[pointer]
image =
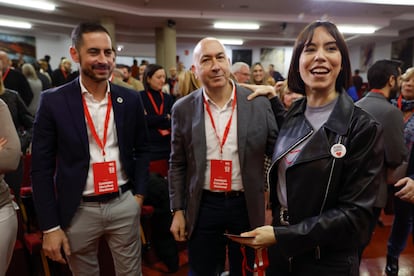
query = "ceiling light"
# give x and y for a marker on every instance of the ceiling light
(33, 4)
(15, 24)
(231, 41)
(356, 29)
(382, 2)
(236, 26)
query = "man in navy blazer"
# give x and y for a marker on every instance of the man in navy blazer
(90, 162)
(216, 176)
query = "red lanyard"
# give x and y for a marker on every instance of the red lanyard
(157, 111)
(377, 91)
(261, 261)
(399, 102)
(227, 130)
(5, 74)
(89, 120)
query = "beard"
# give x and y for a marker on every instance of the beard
(394, 92)
(90, 72)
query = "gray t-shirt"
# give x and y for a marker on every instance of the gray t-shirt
(316, 116)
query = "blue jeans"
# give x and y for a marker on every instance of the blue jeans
(401, 227)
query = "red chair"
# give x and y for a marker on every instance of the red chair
(33, 243)
(145, 226)
(27, 207)
(19, 264)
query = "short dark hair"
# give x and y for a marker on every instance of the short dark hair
(149, 72)
(121, 65)
(295, 81)
(380, 72)
(83, 28)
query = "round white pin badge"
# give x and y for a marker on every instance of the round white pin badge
(119, 100)
(338, 150)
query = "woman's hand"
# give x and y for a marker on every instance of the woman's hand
(261, 237)
(3, 142)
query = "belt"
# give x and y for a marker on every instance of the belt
(109, 196)
(229, 194)
(283, 216)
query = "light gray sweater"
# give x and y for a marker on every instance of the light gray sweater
(9, 153)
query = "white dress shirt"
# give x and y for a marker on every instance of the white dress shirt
(221, 117)
(98, 109)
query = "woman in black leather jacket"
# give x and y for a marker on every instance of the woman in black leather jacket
(326, 157)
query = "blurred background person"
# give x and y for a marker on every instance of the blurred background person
(118, 78)
(187, 83)
(158, 111)
(14, 79)
(357, 81)
(275, 74)
(172, 81)
(134, 69)
(286, 96)
(127, 77)
(43, 70)
(61, 75)
(259, 75)
(402, 225)
(23, 123)
(241, 72)
(157, 105)
(141, 71)
(35, 84)
(384, 82)
(9, 160)
(48, 68)
(42, 75)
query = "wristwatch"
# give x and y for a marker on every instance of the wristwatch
(175, 210)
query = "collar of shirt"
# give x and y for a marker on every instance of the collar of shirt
(84, 90)
(210, 101)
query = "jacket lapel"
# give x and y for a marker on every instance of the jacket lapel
(118, 103)
(73, 95)
(243, 121)
(198, 131)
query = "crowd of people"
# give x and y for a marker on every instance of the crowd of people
(101, 134)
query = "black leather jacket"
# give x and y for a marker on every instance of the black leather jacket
(329, 199)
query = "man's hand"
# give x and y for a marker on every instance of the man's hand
(53, 242)
(260, 90)
(178, 226)
(407, 189)
(140, 199)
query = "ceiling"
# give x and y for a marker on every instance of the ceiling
(280, 21)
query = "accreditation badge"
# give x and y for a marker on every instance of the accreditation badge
(104, 177)
(220, 175)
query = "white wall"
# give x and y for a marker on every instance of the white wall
(56, 47)
(381, 51)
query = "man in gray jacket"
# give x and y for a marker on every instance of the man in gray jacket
(383, 79)
(219, 140)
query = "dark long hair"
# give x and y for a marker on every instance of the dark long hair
(295, 81)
